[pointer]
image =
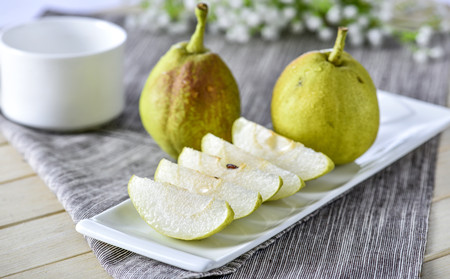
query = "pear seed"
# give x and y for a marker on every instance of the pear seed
(231, 166)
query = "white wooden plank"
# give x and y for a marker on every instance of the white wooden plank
(441, 188)
(68, 269)
(436, 269)
(12, 165)
(26, 199)
(439, 228)
(39, 242)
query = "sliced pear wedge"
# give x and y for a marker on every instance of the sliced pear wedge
(281, 151)
(265, 183)
(216, 146)
(176, 212)
(242, 201)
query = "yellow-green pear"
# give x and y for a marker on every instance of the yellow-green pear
(190, 92)
(327, 101)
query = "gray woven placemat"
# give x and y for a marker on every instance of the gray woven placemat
(377, 230)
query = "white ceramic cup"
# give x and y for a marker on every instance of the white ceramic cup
(62, 73)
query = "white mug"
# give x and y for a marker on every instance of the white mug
(62, 73)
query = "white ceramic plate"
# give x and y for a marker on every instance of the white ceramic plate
(405, 124)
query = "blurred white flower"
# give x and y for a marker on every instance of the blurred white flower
(375, 37)
(149, 14)
(354, 28)
(363, 21)
(386, 11)
(131, 21)
(220, 10)
(289, 13)
(355, 35)
(426, 30)
(178, 28)
(270, 33)
(445, 26)
(325, 34)
(424, 35)
(238, 33)
(239, 20)
(420, 56)
(334, 15)
(261, 8)
(272, 16)
(162, 20)
(147, 20)
(214, 28)
(313, 22)
(350, 11)
(250, 17)
(226, 20)
(235, 3)
(357, 40)
(190, 4)
(297, 27)
(436, 52)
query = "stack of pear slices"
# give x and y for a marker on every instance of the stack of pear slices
(208, 189)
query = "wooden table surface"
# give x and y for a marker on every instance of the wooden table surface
(38, 238)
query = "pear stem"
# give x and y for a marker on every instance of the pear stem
(195, 45)
(335, 55)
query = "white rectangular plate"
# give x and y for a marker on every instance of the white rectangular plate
(405, 124)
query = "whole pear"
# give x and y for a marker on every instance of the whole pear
(190, 92)
(327, 101)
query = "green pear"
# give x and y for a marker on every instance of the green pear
(190, 92)
(327, 101)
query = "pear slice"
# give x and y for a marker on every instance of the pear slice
(176, 212)
(265, 183)
(281, 151)
(242, 201)
(216, 146)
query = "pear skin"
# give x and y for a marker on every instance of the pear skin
(190, 92)
(327, 101)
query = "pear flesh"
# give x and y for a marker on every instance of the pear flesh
(176, 212)
(327, 101)
(216, 146)
(242, 201)
(265, 183)
(281, 151)
(189, 93)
